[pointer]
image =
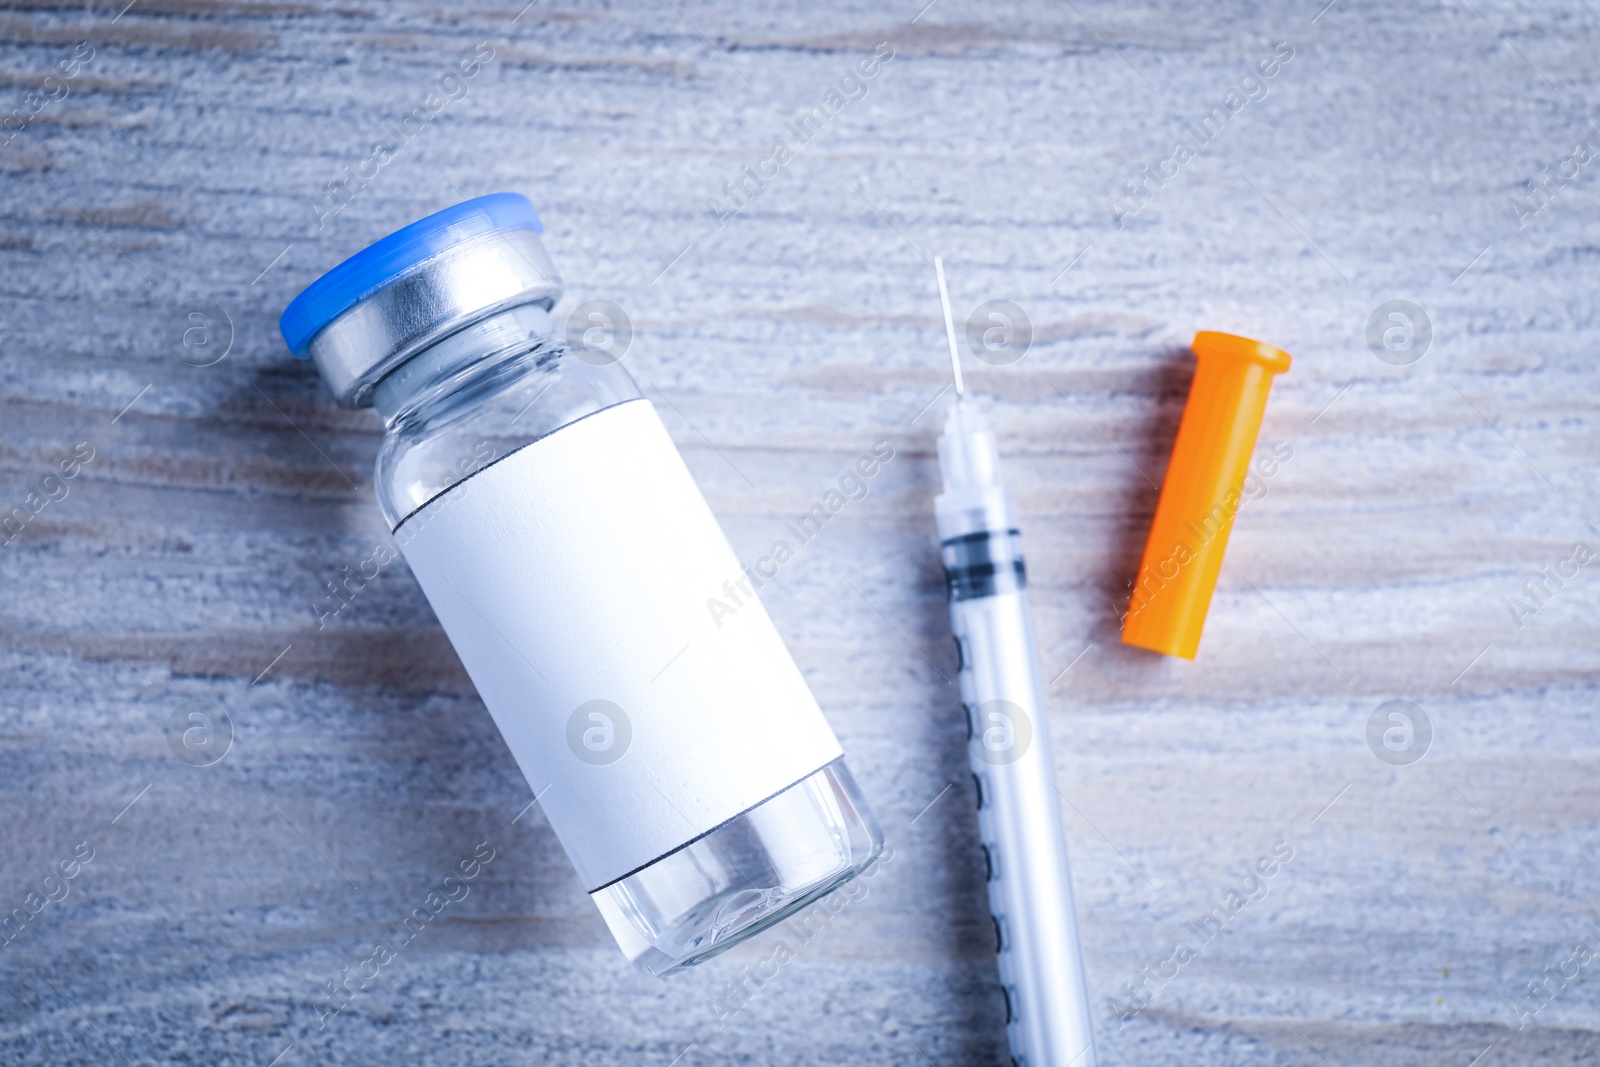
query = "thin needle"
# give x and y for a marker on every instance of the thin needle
(949, 327)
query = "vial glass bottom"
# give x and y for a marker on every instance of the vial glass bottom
(748, 874)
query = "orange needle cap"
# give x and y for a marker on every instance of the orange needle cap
(1201, 493)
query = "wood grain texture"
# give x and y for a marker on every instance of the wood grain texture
(184, 164)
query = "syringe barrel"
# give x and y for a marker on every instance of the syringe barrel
(1019, 817)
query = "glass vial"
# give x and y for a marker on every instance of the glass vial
(682, 761)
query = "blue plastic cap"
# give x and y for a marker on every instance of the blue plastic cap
(382, 262)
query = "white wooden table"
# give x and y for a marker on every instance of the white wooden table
(186, 160)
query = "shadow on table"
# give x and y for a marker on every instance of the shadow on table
(1151, 449)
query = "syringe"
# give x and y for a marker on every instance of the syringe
(1008, 744)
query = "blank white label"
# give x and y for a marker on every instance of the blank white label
(573, 578)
